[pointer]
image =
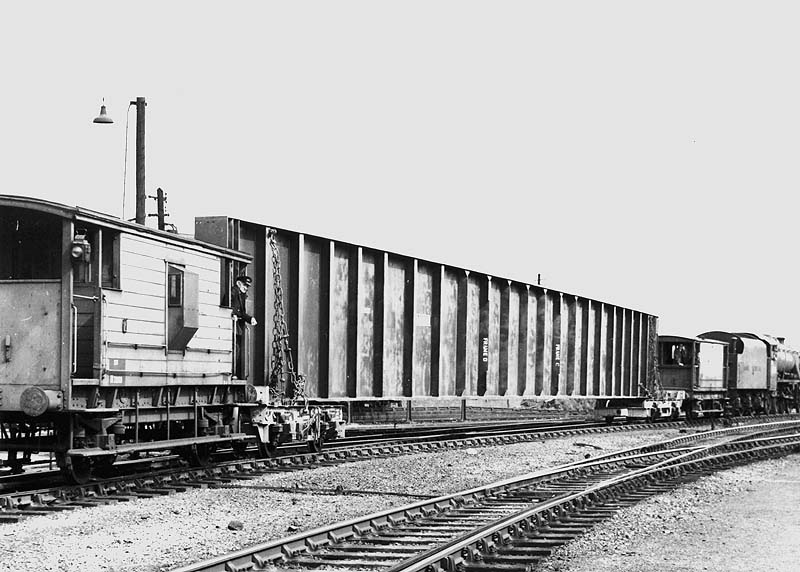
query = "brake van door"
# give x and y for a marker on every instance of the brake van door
(30, 337)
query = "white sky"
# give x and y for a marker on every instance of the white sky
(640, 153)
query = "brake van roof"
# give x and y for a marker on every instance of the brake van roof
(81, 214)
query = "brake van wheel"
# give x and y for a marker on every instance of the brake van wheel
(17, 465)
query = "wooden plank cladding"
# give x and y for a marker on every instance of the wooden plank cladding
(369, 324)
(134, 317)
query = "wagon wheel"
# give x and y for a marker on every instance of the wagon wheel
(267, 450)
(78, 470)
(104, 467)
(239, 449)
(315, 445)
(199, 454)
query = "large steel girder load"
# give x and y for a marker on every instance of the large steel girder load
(369, 325)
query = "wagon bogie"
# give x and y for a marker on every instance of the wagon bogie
(639, 409)
(312, 425)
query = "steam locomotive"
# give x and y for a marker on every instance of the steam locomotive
(117, 339)
(714, 374)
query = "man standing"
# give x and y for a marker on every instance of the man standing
(240, 318)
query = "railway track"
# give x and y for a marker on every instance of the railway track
(460, 430)
(499, 434)
(361, 436)
(510, 525)
(23, 496)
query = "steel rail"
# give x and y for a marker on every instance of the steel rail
(657, 457)
(16, 497)
(273, 552)
(455, 554)
(736, 432)
(19, 504)
(463, 432)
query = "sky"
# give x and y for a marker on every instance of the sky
(639, 153)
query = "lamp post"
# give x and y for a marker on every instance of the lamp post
(103, 118)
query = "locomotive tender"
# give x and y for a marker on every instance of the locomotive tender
(118, 339)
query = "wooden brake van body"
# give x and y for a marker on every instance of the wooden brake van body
(114, 337)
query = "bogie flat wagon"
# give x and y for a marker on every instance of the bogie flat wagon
(372, 327)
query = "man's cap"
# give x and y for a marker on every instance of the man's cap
(244, 279)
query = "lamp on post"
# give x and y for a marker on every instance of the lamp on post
(103, 118)
(140, 193)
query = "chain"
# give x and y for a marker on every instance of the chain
(300, 389)
(282, 367)
(279, 328)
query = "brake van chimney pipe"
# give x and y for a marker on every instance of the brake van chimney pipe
(141, 214)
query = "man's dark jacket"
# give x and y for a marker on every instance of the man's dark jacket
(238, 299)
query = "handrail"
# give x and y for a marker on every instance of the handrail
(74, 348)
(234, 353)
(103, 337)
(92, 298)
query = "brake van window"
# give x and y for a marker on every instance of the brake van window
(30, 245)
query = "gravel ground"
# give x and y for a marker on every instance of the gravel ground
(158, 534)
(758, 530)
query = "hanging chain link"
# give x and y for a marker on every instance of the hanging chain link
(282, 366)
